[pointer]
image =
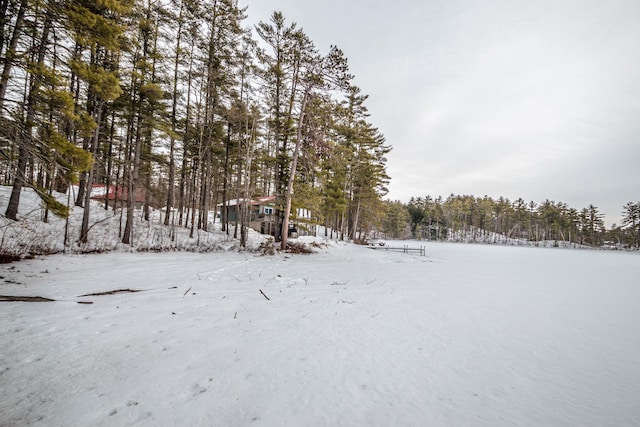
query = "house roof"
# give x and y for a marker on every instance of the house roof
(235, 202)
(253, 202)
(266, 199)
(113, 192)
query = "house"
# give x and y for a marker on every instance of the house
(264, 216)
(304, 222)
(104, 192)
(262, 212)
(259, 208)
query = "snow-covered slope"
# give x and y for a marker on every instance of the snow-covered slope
(30, 235)
(469, 335)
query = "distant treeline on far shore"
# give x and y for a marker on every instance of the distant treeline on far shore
(436, 218)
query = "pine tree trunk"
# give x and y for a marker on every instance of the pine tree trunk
(4, 20)
(134, 175)
(110, 161)
(132, 188)
(26, 139)
(247, 181)
(292, 174)
(18, 183)
(174, 109)
(10, 52)
(84, 229)
(355, 220)
(225, 180)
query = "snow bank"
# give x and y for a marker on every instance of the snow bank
(31, 236)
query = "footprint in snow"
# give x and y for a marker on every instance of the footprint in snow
(197, 389)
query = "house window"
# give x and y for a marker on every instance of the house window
(268, 211)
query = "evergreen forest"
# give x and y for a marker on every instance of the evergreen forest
(487, 220)
(182, 104)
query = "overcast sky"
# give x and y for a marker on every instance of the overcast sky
(538, 99)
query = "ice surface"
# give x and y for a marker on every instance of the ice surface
(467, 335)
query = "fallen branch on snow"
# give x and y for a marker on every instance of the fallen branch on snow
(339, 283)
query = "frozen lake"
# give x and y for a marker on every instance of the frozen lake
(466, 335)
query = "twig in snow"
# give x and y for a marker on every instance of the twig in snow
(370, 282)
(264, 295)
(234, 316)
(186, 292)
(117, 291)
(339, 283)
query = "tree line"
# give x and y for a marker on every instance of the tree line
(469, 218)
(180, 99)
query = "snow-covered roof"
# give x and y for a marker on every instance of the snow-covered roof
(257, 201)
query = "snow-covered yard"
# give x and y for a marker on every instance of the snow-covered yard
(468, 335)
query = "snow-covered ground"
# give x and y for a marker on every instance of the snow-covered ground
(30, 235)
(468, 335)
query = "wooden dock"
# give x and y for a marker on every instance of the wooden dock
(406, 249)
